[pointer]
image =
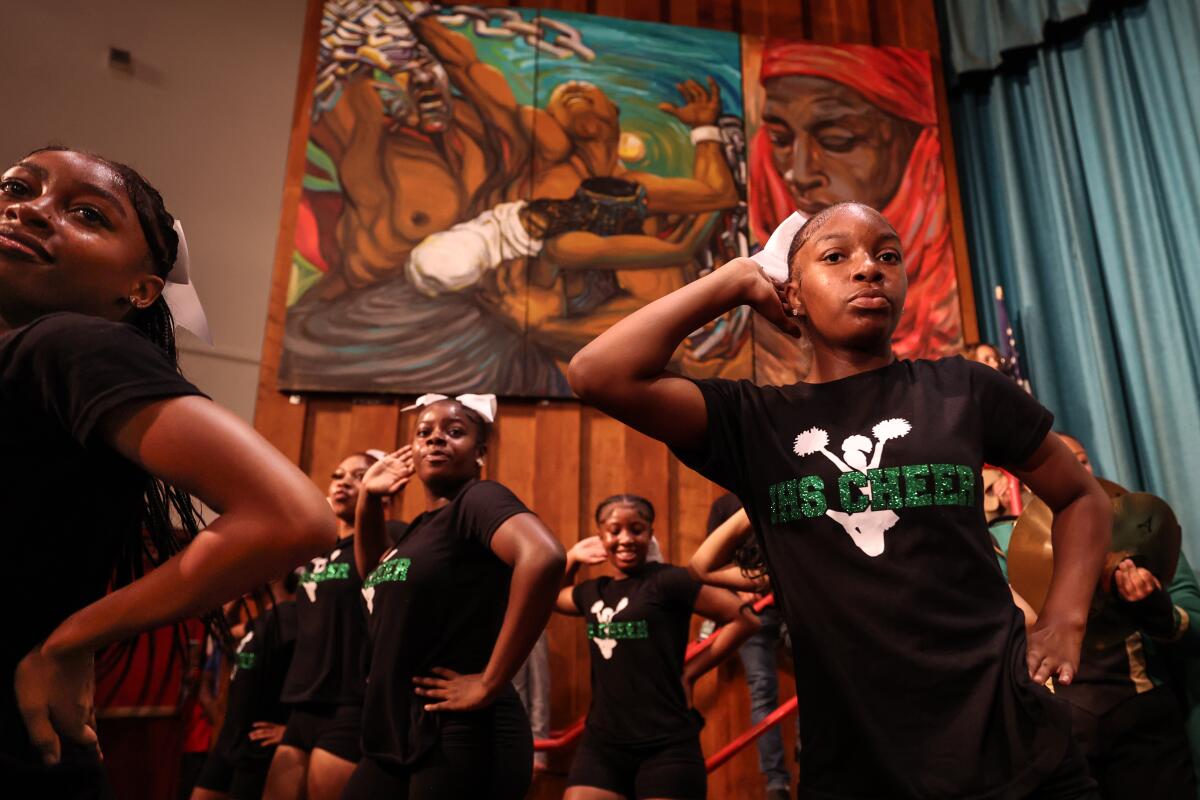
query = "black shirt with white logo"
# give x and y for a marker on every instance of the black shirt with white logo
(638, 629)
(260, 665)
(437, 599)
(329, 665)
(909, 653)
(70, 502)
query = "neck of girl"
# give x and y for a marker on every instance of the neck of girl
(835, 363)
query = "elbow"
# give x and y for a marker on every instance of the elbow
(310, 529)
(583, 373)
(696, 573)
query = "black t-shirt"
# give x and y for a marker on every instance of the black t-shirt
(638, 627)
(437, 599)
(69, 501)
(329, 665)
(909, 652)
(722, 509)
(259, 668)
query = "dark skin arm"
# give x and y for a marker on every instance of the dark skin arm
(385, 478)
(272, 518)
(1081, 535)
(740, 623)
(623, 372)
(586, 552)
(712, 561)
(525, 544)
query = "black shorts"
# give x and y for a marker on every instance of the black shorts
(478, 755)
(675, 771)
(334, 729)
(241, 782)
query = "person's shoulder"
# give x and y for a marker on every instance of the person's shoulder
(67, 333)
(482, 490)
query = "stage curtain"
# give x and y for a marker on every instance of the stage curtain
(979, 32)
(1080, 176)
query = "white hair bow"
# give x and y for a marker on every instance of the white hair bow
(180, 294)
(482, 404)
(773, 257)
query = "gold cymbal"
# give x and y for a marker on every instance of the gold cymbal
(1144, 526)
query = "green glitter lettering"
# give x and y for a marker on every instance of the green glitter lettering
(632, 629)
(394, 570)
(812, 496)
(246, 660)
(332, 572)
(966, 486)
(943, 485)
(885, 488)
(916, 486)
(849, 483)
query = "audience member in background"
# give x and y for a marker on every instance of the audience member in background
(982, 353)
(532, 683)
(1125, 716)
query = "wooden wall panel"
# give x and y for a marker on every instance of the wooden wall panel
(562, 458)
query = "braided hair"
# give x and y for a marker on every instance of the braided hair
(644, 507)
(170, 518)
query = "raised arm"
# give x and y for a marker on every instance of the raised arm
(739, 621)
(386, 477)
(712, 563)
(525, 544)
(1081, 534)
(623, 372)
(272, 518)
(586, 552)
(711, 187)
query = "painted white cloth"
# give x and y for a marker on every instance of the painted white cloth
(455, 259)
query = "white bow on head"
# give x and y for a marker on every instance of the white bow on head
(482, 404)
(773, 257)
(180, 294)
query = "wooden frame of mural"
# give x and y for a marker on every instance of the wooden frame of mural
(485, 190)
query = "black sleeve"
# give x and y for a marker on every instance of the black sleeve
(722, 509)
(677, 588)
(77, 369)
(1013, 422)
(719, 458)
(483, 508)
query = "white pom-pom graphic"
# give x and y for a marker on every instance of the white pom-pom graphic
(811, 441)
(891, 429)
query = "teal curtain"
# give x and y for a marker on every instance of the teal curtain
(1080, 174)
(980, 32)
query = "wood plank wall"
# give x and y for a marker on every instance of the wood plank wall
(561, 457)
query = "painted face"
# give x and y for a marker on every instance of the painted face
(70, 240)
(584, 111)
(1081, 455)
(345, 484)
(832, 146)
(626, 535)
(421, 99)
(848, 282)
(446, 446)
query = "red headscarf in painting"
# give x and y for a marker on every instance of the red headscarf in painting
(900, 82)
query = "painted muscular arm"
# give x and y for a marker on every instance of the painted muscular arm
(484, 86)
(1081, 535)
(711, 187)
(583, 250)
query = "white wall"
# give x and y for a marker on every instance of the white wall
(205, 116)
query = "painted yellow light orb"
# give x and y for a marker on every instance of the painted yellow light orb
(631, 147)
